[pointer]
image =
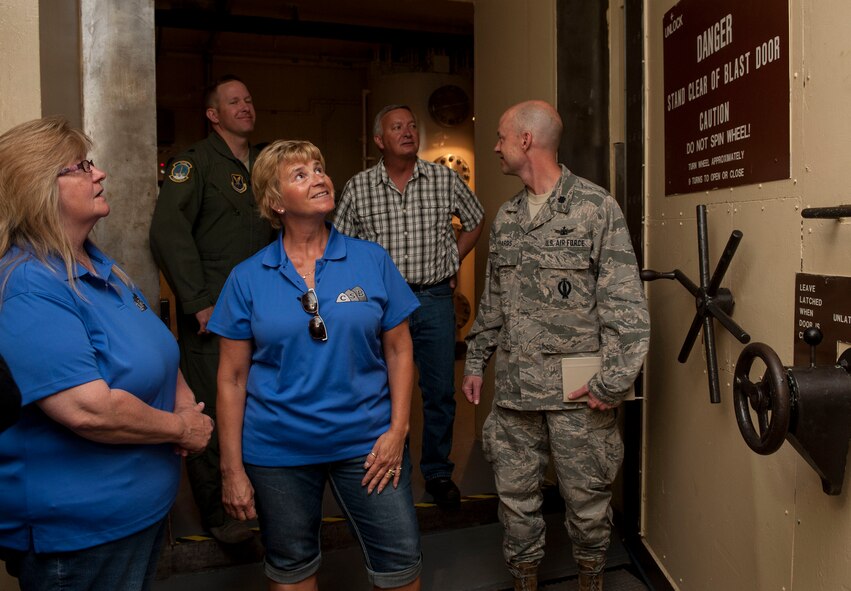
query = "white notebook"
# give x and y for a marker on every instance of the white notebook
(577, 371)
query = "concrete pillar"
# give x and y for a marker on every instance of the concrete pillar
(119, 113)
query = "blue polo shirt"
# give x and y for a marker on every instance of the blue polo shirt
(309, 401)
(60, 492)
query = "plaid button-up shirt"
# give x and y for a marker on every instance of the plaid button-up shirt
(415, 226)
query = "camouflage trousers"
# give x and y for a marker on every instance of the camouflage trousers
(587, 451)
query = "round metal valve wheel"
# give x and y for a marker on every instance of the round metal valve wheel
(769, 398)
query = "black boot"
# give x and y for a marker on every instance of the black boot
(525, 576)
(591, 574)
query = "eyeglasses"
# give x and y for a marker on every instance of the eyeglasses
(316, 326)
(84, 165)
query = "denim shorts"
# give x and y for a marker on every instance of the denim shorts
(129, 564)
(289, 509)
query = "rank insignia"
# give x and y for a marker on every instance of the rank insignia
(180, 171)
(237, 181)
(139, 303)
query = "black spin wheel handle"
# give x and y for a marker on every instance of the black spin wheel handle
(712, 301)
(769, 398)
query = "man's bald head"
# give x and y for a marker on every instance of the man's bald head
(540, 119)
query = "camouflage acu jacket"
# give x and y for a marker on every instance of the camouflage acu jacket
(564, 283)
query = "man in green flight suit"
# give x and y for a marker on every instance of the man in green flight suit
(205, 222)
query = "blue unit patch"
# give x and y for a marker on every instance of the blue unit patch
(237, 181)
(180, 171)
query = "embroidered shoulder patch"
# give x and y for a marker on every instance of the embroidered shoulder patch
(237, 181)
(180, 171)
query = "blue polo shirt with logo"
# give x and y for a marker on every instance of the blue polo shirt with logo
(310, 401)
(60, 492)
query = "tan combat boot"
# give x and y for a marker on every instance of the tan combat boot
(591, 575)
(528, 579)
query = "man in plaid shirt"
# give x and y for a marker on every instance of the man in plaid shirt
(406, 204)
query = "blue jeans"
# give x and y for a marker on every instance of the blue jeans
(289, 508)
(433, 333)
(129, 564)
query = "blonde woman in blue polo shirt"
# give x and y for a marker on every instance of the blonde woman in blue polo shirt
(315, 377)
(89, 472)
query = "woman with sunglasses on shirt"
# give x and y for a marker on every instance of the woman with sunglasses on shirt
(92, 467)
(314, 385)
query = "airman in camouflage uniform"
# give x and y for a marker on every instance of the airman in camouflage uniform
(560, 283)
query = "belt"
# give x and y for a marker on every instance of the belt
(427, 286)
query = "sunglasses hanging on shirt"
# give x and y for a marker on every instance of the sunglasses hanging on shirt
(316, 326)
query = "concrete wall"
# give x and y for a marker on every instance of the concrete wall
(717, 515)
(20, 87)
(59, 33)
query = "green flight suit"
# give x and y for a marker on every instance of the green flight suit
(205, 223)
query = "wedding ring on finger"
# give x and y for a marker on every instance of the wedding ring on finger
(373, 454)
(391, 473)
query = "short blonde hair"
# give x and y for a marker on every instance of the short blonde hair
(264, 175)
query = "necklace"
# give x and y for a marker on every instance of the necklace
(304, 275)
